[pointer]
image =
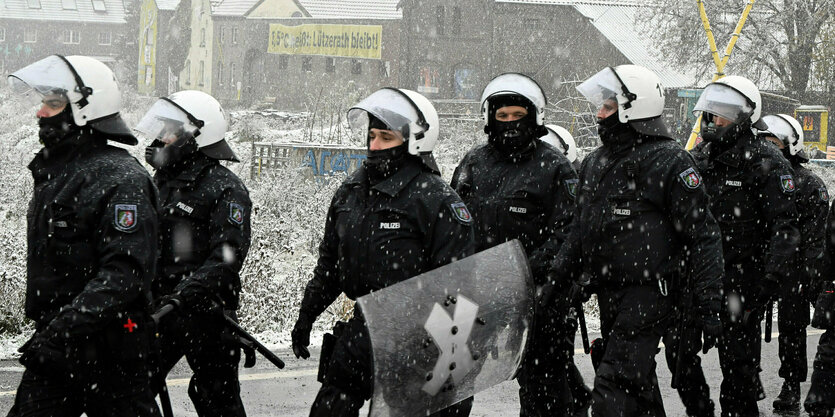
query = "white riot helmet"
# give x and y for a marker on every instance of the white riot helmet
(194, 113)
(561, 139)
(734, 98)
(638, 93)
(89, 86)
(514, 84)
(788, 130)
(405, 111)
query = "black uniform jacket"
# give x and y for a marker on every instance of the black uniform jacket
(812, 201)
(205, 228)
(642, 215)
(752, 192)
(92, 230)
(529, 197)
(379, 235)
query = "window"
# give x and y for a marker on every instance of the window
(222, 35)
(34, 4)
(234, 35)
(188, 72)
(30, 35)
(201, 75)
(202, 36)
(283, 61)
(69, 4)
(98, 5)
(356, 66)
(330, 65)
(70, 37)
(440, 16)
(2, 34)
(307, 64)
(232, 75)
(105, 38)
(456, 21)
(220, 72)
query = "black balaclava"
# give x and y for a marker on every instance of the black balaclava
(54, 129)
(723, 138)
(512, 137)
(383, 163)
(163, 157)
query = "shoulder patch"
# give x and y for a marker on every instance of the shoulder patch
(690, 178)
(824, 195)
(125, 217)
(787, 182)
(460, 212)
(236, 213)
(571, 186)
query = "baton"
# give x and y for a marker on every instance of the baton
(584, 332)
(768, 321)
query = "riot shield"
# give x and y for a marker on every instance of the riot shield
(447, 334)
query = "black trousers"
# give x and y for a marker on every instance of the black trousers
(633, 320)
(54, 396)
(545, 383)
(793, 316)
(692, 386)
(213, 356)
(739, 357)
(821, 397)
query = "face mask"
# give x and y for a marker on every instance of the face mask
(160, 156)
(54, 129)
(513, 137)
(381, 164)
(722, 136)
(610, 128)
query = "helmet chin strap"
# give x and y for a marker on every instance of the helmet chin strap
(79, 84)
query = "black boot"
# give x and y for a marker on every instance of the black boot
(789, 398)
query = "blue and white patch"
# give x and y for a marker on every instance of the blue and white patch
(690, 178)
(824, 195)
(571, 186)
(787, 182)
(460, 212)
(236, 213)
(125, 217)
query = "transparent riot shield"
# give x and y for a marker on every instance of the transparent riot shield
(447, 334)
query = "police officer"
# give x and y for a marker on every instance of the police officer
(519, 188)
(91, 249)
(362, 251)
(641, 228)
(812, 201)
(820, 401)
(752, 190)
(204, 240)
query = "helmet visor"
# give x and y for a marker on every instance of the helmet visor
(779, 128)
(389, 106)
(723, 101)
(514, 84)
(601, 87)
(164, 121)
(49, 76)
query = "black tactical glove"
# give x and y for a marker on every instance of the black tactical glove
(579, 293)
(301, 336)
(765, 290)
(194, 296)
(43, 355)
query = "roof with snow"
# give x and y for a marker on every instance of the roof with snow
(234, 7)
(87, 11)
(167, 4)
(616, 20)
(352, 9)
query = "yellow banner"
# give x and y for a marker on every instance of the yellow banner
(350, 41)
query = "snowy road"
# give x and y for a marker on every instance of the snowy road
(271, 392)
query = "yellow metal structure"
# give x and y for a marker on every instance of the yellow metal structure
(815, 123)
(719, 63)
